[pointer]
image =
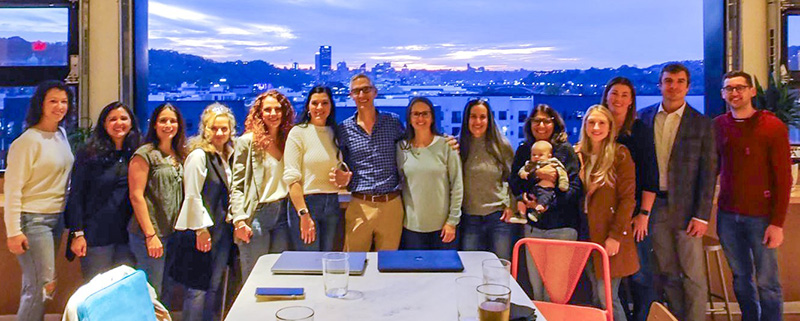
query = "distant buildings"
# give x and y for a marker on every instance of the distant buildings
(323, 64)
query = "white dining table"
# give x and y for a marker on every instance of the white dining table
(372, 296)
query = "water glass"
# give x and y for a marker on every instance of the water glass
(295, 313)
(497, 271)
(494, 302)
(335, 271)
(467, 297)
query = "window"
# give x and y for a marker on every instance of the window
(216, 44)
(521, 132)
(522, 116)
(456, 131)
(456, 119)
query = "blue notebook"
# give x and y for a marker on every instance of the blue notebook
(309, 262)
(419, 261)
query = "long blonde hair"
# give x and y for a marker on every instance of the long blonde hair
(204, 134)
(602, 169)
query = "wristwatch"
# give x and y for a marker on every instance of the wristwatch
(644, 212)
(76, 234)
(302, 211)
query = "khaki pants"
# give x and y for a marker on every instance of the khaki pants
(368, 222)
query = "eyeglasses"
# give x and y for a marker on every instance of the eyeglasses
(421, 114)
(738, 89)
(361, 90)
(542, 121)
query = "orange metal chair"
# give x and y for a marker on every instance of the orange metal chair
(560, 264)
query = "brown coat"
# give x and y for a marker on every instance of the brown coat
(609, 210)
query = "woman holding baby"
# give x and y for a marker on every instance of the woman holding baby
(561, 220)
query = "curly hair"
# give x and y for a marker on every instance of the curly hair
(254, 123)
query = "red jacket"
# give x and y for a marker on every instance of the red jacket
(755, 175)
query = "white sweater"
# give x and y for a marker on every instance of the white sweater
(37, 176)
(309, 156)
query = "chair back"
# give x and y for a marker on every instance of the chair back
(560, 264)
(125, 299)
(658, 312)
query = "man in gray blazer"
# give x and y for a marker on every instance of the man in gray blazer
(687, 165)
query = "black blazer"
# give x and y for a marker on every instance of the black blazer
(692, 167)
(187, 265)
(98, 203)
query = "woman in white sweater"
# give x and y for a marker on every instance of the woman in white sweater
(39, 166)
(310, 157)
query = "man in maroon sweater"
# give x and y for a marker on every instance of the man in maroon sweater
(755, 181)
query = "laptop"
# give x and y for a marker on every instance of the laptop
(306, 262)
(420, 261)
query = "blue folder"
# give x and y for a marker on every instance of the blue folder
(419, 261)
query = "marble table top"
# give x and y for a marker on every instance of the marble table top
(372, 296)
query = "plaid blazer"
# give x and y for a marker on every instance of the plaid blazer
(692, 166)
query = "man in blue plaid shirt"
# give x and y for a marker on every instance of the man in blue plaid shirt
(367, 141)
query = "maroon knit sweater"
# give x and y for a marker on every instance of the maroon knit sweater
(755, 176)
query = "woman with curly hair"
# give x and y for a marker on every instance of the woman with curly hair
(259, 194)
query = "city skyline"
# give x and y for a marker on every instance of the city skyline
(504, 35)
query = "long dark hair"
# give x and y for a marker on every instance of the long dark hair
(626, 126)
(35, 110)
(179, 141)
(559, 135)
(410, 133)
(305, 118)
(497, 144)
(100, 145)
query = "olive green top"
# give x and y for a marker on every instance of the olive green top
(163, 192)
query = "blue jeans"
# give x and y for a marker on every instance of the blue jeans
(100, 259)
(741, 238)
(324, 209)
(270, 235)
(154, 268)
(38, 262)
(206, 305)
(411, 240)
(487, 233)
(599, 294)
(643, 291)
(565, 233)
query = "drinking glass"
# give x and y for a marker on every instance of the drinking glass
(497, 271)
(467, 297)
(494, 302)
(295, 313)
(335, 271)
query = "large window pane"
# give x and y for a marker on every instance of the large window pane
(516, 54)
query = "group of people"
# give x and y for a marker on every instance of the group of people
(640, 184)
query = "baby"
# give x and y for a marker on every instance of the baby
(544, 190)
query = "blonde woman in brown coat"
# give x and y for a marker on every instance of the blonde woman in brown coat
(609, 179)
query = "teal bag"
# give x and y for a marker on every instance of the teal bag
(124, 300)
